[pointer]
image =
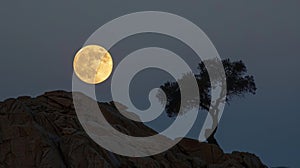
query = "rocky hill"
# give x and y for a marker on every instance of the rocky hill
(45, 132)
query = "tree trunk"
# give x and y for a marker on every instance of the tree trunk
(211, 139)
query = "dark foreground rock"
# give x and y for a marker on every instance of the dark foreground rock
(44, 132)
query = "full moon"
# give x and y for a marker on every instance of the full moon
(93, 64)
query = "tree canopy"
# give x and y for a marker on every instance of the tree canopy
(239, 83)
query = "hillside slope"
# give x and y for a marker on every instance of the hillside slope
(45, 132)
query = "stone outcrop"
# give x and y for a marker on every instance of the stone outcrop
(45, 132)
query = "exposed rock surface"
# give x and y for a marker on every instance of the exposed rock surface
(44, 132)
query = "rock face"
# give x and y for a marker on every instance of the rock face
(45, 132)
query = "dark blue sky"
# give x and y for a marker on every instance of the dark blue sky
(39, 39)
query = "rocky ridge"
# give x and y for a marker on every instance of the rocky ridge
(45, 132)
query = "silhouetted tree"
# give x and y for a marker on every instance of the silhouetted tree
(237, 81)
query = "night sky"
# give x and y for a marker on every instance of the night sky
(39, 39)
